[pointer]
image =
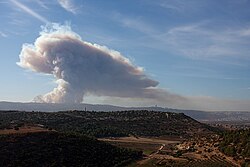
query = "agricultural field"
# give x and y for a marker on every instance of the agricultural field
(176, 152)
(148, 145)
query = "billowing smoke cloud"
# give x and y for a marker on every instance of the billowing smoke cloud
(83, 68)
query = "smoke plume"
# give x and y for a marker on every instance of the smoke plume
(81, 68)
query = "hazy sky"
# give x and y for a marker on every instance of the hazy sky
(195, 48)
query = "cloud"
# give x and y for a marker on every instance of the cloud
(200, 41)
(29, 11)
(42, 4)
(81, 67)
(2, 34)
(245, 32)
(68, 5)
(205, 40)
(133, 23)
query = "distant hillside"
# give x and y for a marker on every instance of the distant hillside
(58, 149)
(198, 115)
(52, 107)
(105, 124)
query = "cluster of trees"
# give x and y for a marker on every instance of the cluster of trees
(61, 149)
(236, 143)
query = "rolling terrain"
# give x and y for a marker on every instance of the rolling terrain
(110, 124)
(211, 116)
(161, 138)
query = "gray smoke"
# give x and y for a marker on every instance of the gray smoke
(80, 68)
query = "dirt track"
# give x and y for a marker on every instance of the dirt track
(140, 140)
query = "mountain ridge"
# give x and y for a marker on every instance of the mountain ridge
(196, 114)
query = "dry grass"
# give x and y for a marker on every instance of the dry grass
(24, 129)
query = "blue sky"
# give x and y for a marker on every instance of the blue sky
(197, 48)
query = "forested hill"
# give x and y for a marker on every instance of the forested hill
(60, 149)
(105, 124)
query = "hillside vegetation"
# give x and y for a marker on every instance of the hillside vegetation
(60, 149)
(236, 143)
(107, 124)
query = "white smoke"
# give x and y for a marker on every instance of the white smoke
(81, 67)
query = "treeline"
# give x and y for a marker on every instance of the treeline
(236, 143)
(61, 149)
